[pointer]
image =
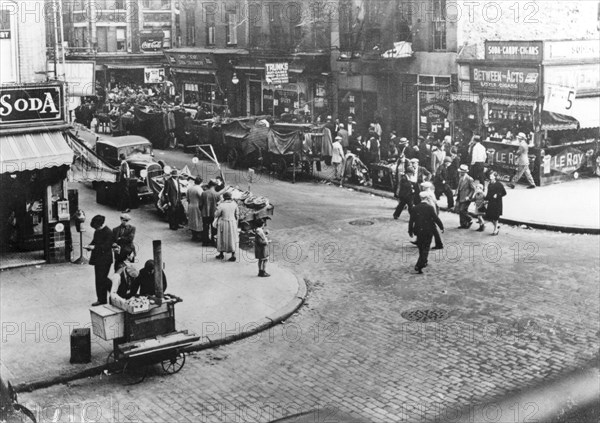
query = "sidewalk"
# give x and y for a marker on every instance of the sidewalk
(222, 301)
(567, 207)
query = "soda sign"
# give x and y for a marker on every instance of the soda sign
(31, 104)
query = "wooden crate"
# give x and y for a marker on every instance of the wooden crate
(108, 322)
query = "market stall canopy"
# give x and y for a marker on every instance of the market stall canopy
(235, 129)
(33, 151)
(285, 144)
(556, 122)
(88, 166)
(257, 139)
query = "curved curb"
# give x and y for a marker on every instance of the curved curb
(531, 224)
(206, 342)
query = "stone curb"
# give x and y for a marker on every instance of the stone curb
(512, 222)
(205, 343)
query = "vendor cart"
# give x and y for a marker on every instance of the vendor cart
(244, 141)
(142, 338)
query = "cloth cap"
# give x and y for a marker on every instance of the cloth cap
(521, 135)
(174, 172)
(338, 138)
(125, 216)
(463, 168)
(414, 160)
(423, 194)
(447, 160)
(403, 140)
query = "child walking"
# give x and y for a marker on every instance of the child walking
(479, 199)
(261, 247)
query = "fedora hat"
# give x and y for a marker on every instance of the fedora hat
(463, 168)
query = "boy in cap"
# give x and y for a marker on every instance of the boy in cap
(123, 236)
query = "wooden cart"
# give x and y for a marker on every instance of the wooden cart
(143, 339)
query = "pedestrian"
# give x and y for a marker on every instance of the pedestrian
(337, 158)
(404, 192)
(208, 206)
(123, 177)
(522, 163)
(437, 157)
(123, 236)
(495, 192)
(194, 193)
(429, 189)
(261, 247)
(464, 196)
(144, 283)
(227, 224)
(101, 257)
(172, 198)
(122, 281)
(453, 168)
(479, 200)
(373, 149)
(478, 159)
(441, 183)
(342, 132)
(419, 176)
(422, 224)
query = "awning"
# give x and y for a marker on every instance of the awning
(33, 151)
(125, 67)
(556, 122)
(88, 166)
(515, 101)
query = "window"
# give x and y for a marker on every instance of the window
(439, 25)
(190, 27)
(146, 4)
(119, 4)
(167, 39)
(165, 4)
(121, 40)
(210, 28)
(346, 26)
(231, 25)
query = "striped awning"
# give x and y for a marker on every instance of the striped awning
(34, 151)
(557, 122)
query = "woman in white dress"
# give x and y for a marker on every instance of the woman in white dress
(227, 227)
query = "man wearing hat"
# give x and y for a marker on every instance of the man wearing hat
(101, 257)
(441, 183)
(337, 157)
(208, 206)
(123, 236)
(172, 197)
(422, 224)
(420, 175)
(522, 163)
(464, 196)
(193, 196)
(404, 190)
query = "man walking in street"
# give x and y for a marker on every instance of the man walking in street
(208, 206)
(478, 158)
(422, 224)
(123, 177)
(172, 197)
(123, 236)
(101, 257)
(522, 163)
(342, 132)
(441, 183)
(337, 158)
(466, 189)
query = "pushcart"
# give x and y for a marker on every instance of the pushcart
(142, 339)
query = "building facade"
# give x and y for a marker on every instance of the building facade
(34, 156)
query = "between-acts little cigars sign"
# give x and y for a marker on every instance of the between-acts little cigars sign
(24, 105)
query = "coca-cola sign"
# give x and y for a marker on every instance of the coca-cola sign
(151, 41)
(39, 104)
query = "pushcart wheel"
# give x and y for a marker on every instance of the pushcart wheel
(174, 364)
(112, 365)
(232, 158)
(132, 375)
(25, 413)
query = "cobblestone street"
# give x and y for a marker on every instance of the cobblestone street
(517, 309)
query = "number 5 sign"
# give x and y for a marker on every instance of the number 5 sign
(559, 99)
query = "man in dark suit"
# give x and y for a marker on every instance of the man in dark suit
(422, 224)
(172, 197)
(464, 196)
(101, 257)
(123, 236)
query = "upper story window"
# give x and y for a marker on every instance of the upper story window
(231, 27)
(210, 28)
(439, 25)
(121, 40)
(190, 27)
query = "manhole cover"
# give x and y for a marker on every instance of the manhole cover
(362, 222)
(426, 315)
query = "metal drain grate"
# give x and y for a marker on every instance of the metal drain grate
(362, 222)
(426, 315)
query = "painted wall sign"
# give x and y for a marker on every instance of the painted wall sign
(530, 51)
(508, 80)
(572, 50)
(151, 41)
(35, 104)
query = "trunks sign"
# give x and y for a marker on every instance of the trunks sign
(276, 73)
(35, 104)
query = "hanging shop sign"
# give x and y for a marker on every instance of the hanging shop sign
(197, 60)
(584, 77)
(520, 51)
(559, 99)
(564, 160)
(5, 34)
(505, 80)
(433, 112)
(154, 75)
(572, 50)
(151, 41)
(39, 104)
(276, 73)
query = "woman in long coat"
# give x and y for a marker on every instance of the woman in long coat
(194, 212)
(494, 198)
(227, 227)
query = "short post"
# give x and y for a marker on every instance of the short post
(158, 271)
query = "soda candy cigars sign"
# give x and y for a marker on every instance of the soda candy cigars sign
(531, 51)
(505, 79)
(36, 104)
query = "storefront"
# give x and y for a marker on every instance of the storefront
(34, 160)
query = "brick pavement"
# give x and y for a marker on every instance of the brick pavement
(512, 324)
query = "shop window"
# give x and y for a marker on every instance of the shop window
(231, 28)
(210, 29)
(121, 40)
(439, 25)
